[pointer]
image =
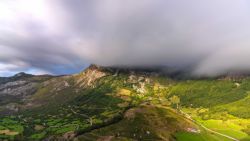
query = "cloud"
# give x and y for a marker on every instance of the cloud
(211, 37)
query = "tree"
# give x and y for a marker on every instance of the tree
(175, 100)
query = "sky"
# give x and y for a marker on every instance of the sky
(209, 37)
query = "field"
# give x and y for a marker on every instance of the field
(205, 136)
(219, 105)
(91, 106)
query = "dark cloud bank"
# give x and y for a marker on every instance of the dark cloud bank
(63, 36)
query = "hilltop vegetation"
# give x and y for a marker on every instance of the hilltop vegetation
(221, 105)
(123, 104)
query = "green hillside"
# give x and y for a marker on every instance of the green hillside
(123, 104)
(221, 105)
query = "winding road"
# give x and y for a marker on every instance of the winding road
(207, 129)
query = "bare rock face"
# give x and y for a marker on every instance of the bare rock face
(21, 84)
(89, 76)
(57, 82)
(17, 88)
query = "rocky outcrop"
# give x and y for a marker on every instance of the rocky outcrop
(89, 76)
(18, 88)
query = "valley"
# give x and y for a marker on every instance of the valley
(115, 104)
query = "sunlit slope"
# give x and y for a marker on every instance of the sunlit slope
(103, 103)
(150, 123)
(219, 104)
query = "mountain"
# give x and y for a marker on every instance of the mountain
(120, 104)
(16, 89)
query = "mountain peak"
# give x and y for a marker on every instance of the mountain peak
(22, 74)
(93, 66)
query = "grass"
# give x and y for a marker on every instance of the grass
(232, 126)
(225, 127)
(66, 110)
(38, 136)
(143, 123)
(237, 108)
(209, 93)
(204, 136)
(220, 105)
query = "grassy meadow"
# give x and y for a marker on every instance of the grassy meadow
(149, 104)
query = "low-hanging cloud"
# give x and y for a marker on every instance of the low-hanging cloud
(62, 36)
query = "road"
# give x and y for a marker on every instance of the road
(204, 127)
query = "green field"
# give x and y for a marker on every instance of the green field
(89, 107)
(217, 104)
(184, 136)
